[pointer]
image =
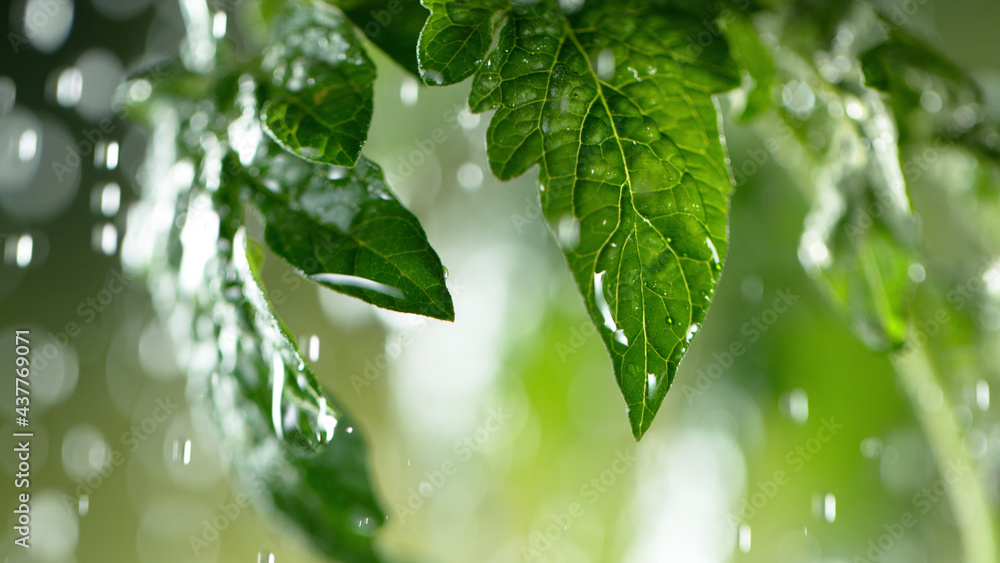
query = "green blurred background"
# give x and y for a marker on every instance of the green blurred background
(783, 439)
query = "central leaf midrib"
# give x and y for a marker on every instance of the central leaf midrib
(600, 84)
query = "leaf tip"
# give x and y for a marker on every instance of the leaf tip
(640, 418)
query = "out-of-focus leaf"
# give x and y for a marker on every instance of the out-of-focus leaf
(618, 111)
(753, 58)
(318, 104)
(860, 236)
(931, 97)
(290, 442)
(293, 448)
(345, 229)
(393, 25)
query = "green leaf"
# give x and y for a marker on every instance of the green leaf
(282, 430)
(346, 230)
(291, 445)
(318, 104)
(753, 58)
(618, 111)
(931, 97)
(860, 236)
(455, 38)
(393, 25)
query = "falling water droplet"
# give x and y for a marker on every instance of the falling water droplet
(795, 405)
(107, 199)
(24, 250)
(83, 506)
(182, 451)
(265, 557)
(744, 538)
(830, 507)
(409, 92)
(69, 87)
(983, 395)
(104, 239)
(27, 145)
(111, 159)
(219, 25)
(314, 348)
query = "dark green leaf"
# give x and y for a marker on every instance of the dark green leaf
(346, 230)
(282, 430)
(617, 108)
(319, 101)
(455, 38)
(393, 25)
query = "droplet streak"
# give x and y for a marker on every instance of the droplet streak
(602, 306)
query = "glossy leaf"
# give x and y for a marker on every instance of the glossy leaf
(455, 38)
(345, 229)
(617, 109)
(318, 104)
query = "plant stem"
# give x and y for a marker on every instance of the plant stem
(966, 495)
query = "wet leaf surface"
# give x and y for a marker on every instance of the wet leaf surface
(318, 104)
(616, 107)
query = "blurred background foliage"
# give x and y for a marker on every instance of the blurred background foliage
(783, 439)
